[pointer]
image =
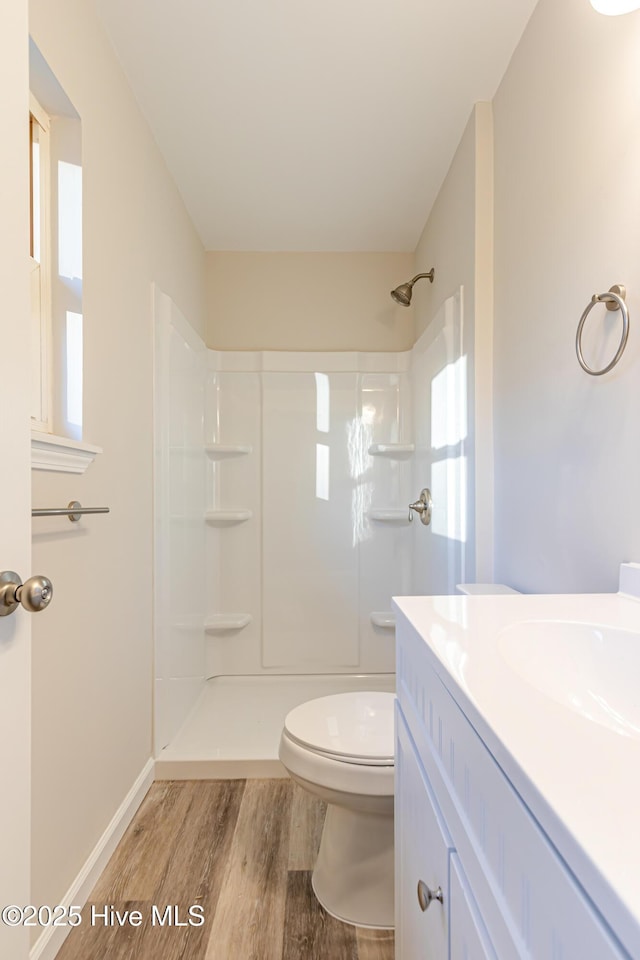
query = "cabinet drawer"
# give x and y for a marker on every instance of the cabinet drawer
(531, 903)
(422, 854)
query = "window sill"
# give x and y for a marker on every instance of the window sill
(60, 454)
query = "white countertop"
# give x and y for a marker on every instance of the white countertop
(579, 778)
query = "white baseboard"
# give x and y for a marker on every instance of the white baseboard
(47, 945)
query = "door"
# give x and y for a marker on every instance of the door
(15, 493)
(441, 375)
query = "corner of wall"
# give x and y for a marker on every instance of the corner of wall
(458, 242)
(483, 337)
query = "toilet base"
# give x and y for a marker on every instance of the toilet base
(353, 875)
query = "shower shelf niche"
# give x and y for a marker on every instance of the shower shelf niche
(385, 619)
(222, 451)
(390, 514)
(225, 518)
(221, 622)
(395, 451)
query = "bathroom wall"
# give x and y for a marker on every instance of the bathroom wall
(567, 225)
(92, 650)
(457, 242)
(307, 301)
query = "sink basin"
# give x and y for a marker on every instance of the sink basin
(589, 668)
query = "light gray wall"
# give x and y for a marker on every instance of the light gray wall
(92, 652)
(567, 225)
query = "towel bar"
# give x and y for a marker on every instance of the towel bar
(74, 511)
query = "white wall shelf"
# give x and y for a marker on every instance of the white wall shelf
(221, 622)
(224, 518)
(222, 451)
(385, 619)
(395, 451)
(390, 514)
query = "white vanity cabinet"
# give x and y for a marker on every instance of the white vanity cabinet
(422, 835)
(462, 827)
(433, 903)
(469, 938)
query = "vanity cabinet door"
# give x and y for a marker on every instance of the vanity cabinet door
(469, 938)
(422, 857)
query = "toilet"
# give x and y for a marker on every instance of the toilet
(341, 749)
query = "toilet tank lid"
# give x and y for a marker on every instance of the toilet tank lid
(352, 725)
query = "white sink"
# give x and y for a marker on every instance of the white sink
(589, 668)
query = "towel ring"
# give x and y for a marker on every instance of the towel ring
(614, 300)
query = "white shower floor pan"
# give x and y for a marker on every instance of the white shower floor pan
(234, 728)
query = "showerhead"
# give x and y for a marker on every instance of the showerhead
(403, 293)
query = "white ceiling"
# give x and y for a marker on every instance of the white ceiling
(313, 126)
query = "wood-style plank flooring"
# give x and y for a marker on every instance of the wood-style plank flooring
(240, 851)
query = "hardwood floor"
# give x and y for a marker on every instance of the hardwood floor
(240, 855)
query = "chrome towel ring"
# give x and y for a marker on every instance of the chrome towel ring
(613, 300)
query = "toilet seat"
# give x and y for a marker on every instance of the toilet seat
(355, 728)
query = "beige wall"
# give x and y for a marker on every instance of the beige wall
(92, 649)
(457, 242)
(567, 225)
(307, 301)
(448, 240)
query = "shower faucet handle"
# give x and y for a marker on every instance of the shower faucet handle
(423, 506)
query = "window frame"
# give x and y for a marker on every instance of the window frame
(42, 314)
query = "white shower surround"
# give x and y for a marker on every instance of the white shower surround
(281, 521)
(309, 565)
(179, 494)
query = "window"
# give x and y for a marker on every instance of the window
(55, 255)
(40, 265)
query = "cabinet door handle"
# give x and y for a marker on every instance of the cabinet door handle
(425, 895)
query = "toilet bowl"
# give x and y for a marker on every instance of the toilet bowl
(341, 749)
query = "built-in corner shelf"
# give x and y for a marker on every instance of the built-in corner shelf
(222, 451)
(390, 514)
(384, 619)
(225, 518)
(396, 451)
(221, 622)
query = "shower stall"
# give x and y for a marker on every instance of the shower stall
(282, 484)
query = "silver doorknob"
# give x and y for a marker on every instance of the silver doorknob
(427, 896)
(34, 595)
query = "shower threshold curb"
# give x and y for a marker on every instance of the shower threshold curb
(192, 769)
